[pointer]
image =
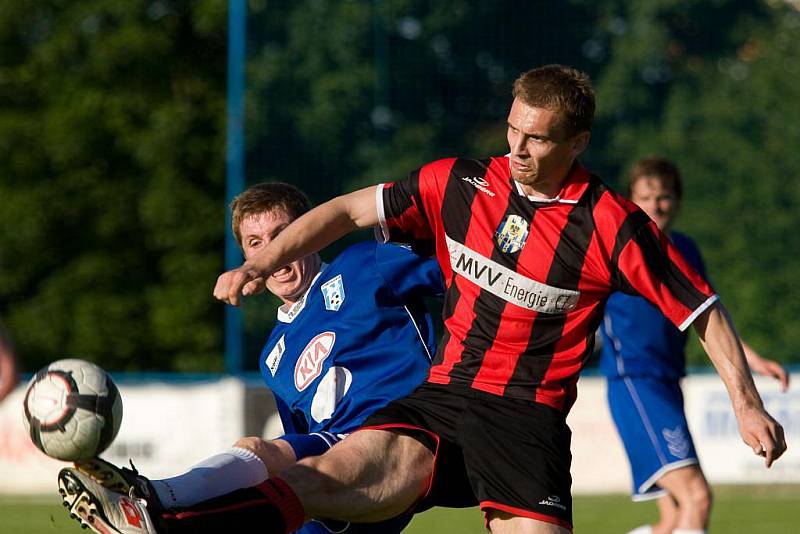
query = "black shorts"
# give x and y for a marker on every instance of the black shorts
(504, 454)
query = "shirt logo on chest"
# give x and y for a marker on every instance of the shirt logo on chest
(333, 293)
(273, 359)
(511, 234)
(309, 364)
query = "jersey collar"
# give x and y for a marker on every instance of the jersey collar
(286, 314)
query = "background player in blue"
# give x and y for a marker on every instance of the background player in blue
(351, 336)
(643, 357)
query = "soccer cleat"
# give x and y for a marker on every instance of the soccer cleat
(120, 480)
(100, 509)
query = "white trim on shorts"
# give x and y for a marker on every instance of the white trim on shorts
(641, 492)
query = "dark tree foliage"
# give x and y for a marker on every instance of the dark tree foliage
(111, 166)
(112, 122)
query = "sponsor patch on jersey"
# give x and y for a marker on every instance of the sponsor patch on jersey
(511, 234)
(507, 284)
(309, 364)
(273, 359)
(333, 293)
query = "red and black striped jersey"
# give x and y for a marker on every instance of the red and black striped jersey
(527, 278)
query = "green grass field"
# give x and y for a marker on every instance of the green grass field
(738, 509)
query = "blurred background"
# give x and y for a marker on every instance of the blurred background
(125, 127)
(113, 142)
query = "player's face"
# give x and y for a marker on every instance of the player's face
(290, 282)
(541, 154)
(658, 202)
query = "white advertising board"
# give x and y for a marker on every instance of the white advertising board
(166, 427)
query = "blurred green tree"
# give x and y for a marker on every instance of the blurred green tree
(111, 166)
(712, 88)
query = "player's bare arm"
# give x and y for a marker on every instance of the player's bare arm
(719, 339)
(308, 234)
(765, 366)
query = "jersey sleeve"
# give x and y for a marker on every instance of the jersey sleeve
(405, 208)
(407, 273)
(650, 265)
(292, 422)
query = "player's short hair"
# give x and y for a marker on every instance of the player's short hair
(662, 169)
(560, 89)
(264, 198)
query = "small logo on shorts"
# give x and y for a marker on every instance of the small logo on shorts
(553, 500)
(677, 442)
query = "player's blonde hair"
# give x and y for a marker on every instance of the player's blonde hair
(560, 89)
(264, 198)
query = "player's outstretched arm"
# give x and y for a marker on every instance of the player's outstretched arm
(719, 339)
(308, 234)
(765, 366)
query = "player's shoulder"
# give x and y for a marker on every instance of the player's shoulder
(357, 254)
(608, 203)
(681, 239)
(686, 245)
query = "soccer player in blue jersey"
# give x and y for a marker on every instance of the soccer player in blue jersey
(643, 358)
(351, 336)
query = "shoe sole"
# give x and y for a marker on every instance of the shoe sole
(82, 504)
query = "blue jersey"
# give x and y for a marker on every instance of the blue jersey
(359, 338)
(638, 340)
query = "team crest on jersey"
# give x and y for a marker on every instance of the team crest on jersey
(333, 292)
(309, 364)
(511, 234)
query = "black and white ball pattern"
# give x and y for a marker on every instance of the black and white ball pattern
(72, 410)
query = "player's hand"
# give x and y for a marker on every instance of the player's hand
(243, 280)
(771, 369)
(762, 433)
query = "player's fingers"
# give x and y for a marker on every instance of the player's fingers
(782, 376)
(221, 288)
(254, 287)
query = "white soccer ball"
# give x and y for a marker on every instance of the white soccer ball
(72, 410)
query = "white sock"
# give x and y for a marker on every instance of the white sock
(233, 469)
(644, 529)
(689, 531)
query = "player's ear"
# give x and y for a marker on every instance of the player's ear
(580, 142)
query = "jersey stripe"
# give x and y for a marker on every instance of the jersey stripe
(456, 225)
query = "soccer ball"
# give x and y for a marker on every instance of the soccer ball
(72, 410)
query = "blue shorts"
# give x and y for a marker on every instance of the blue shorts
(649, 416)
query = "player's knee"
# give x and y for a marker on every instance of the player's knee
(702, 497)
(698, 497)
(256, 445)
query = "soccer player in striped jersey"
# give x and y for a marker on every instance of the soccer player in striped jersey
(351, 335)
(643, 358)
(531, 245)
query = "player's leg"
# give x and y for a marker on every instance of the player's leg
(244, 465)
(370, 476)
(667, 515)
(690, 489)
(649, 417)
(505, 523)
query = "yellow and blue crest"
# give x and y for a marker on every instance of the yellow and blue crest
(511, 234)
